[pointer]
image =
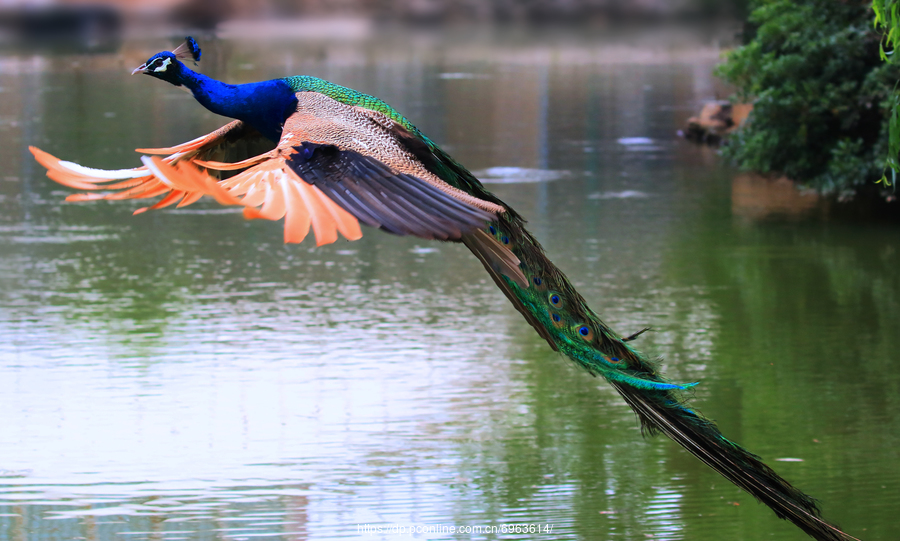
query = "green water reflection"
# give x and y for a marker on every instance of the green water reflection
(183, 374)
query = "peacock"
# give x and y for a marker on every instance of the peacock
(327, 158)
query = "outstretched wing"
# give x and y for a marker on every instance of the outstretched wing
(335, 166)
(159, 176)
(334, 159)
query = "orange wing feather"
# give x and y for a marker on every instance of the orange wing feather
(267, 188)
(194, 145)
(279, 192)
(296, 220)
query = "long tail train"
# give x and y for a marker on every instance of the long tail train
(559, 314)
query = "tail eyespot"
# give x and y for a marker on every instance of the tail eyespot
(557, 320)
(586, 332)
(555, 300)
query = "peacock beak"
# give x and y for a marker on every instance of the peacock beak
(140, 69)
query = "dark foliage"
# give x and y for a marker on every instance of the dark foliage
(821, 93)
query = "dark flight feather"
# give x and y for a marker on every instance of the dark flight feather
(380, 197)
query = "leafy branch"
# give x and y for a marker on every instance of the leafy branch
(887, 18)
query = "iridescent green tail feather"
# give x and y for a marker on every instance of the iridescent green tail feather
(547, 300)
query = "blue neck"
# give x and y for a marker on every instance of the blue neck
(263, 105)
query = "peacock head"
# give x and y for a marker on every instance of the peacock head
(167, 65)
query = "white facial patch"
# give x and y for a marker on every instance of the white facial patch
(162, 67)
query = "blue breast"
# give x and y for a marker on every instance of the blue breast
(263, 105)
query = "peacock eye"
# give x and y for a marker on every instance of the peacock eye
(555, 300)
(585, 332)
(558, 321)
(159, 64)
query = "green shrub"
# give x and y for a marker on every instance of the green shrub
(821, 93)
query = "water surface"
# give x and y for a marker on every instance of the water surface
(184, 375)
